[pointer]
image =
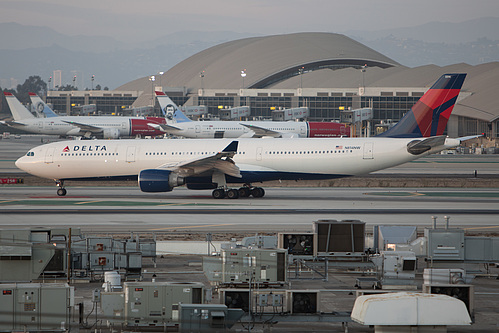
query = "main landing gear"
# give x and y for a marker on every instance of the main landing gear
(61, 191)
(243, 192)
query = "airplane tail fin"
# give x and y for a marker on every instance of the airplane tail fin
(19, 111)
(170, 110)
(40, 106)
(429, 116)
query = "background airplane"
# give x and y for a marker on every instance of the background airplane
(178, 124)
(100, 126)
(42, 109)
(160, 166)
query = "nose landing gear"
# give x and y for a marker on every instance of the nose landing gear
(61, 191)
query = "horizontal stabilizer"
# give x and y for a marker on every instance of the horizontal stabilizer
(417, 147)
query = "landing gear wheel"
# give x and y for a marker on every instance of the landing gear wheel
(244, 192)
(257, 192)
(61, 192)
(218, 194)
(233, 194)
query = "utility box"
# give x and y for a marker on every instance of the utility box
(156, 304)
(112, 306)
(339, 238)
(207, 317)
(35, 307)
(254, 266)
(298, 244)
(445, 244)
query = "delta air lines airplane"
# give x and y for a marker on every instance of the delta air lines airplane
(161, 165)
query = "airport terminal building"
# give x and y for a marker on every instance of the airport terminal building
(325, 72)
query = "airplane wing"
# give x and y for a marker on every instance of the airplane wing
(221, 161)
(85, 127)
(261, 131)
(164, 127)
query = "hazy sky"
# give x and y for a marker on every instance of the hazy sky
(147, 19)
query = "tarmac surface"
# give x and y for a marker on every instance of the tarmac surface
(410, 194)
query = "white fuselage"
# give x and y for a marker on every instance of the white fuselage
(279, 158)
(60, 125)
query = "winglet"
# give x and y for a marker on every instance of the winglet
(231, 148)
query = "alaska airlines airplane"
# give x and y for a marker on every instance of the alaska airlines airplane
(178, 124)
(100, 126)
(42, 109)
(161, 165)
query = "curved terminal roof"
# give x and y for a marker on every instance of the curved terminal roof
(329, 61)
(266, 60)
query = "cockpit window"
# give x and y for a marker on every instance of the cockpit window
(30, 153)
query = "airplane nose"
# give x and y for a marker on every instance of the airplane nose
(20, 163)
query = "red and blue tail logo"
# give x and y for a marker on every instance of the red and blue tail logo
(429, 116)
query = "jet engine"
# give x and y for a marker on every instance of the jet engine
(111, 133)
(155, 180)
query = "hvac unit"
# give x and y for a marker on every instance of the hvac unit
(339, 238)
(298, 244)
(35, 307)
(155, 304)
(303, 301)
(463, 292)
(445, 244)
(235, 298)
(244, 266)
(433, 276)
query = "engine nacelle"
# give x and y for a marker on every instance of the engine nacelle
(155, 180)
(111, 133)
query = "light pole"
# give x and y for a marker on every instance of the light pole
(301, 76)
(152, 78)
(243, 75)
(201, 75)
(160, 79)
(74, 82)
(92, 79)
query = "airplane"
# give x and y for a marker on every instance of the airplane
(40, 107)
(161, 165)
(101, 126)
(178, 124)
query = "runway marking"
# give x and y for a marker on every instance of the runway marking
(7, 201)
(104, 203)
(86, 202)
(470, 194)
(195, 226)
(396, 194)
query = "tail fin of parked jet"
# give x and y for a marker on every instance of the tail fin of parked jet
(170, 110)
(19, 112)
(40, 106)
(429, 116)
